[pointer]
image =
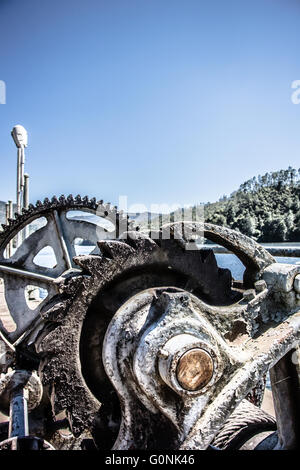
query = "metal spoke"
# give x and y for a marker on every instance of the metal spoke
(62, 240)
(26, 274)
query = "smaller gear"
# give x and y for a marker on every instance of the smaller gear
(59, 232)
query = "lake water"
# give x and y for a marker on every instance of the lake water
(237, 268)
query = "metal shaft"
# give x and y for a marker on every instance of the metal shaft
(19, 180)
(18, 423)
(22, 168)
(19, 188)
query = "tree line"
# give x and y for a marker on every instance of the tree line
(266, 208)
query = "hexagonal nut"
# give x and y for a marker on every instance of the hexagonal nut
(260, 285)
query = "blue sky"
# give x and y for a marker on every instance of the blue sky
(164, 101)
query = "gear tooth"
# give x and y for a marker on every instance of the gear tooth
(46, 201)
(38, 203)
(93, 202)
(139, 241)
(100, 209)
(4, 226)
(62, 199)
(106, 249)
(78, 199)
(54, 200)
(53, 308)
(85, 200)
(83, 262)
(100, 202)
(114, 248)
(25, 212)
(30, 207)
(208, 257)
(130, 225)
(70, 199)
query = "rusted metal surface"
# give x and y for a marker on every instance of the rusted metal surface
(194, 369)
(147, 343)
(20, 270)
(286, 393)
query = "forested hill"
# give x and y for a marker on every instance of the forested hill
(266, 208)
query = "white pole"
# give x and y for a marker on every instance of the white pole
(26, 200)
(19, 195)
(19, 180)
(22, 170)
(20, 137)
(8, 252)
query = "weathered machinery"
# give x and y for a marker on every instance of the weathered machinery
(146, 343)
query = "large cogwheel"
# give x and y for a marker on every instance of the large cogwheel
(57, 228)
(76, 320)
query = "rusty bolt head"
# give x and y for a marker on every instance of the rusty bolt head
(194, 369)
(249, 294)
(260, 285)
(184, 300)
(128, 335)
(297, 283)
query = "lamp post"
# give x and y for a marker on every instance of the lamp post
(20, 136)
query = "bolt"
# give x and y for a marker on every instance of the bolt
(184, 299)
(260, 285)
(163, 354)
(297, 283)
(249, 294)
(127, 335)
(194, 369)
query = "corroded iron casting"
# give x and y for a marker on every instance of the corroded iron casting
(144, 344)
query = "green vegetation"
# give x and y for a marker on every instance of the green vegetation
(266, 208)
